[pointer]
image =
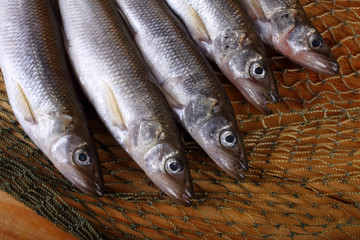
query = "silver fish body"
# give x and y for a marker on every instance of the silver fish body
(41, 94)
(192, 89)
(283, 24)
(225, 33)
(117, 82)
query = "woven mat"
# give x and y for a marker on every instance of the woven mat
(303, 181)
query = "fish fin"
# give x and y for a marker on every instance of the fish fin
(170, 99)
(195, 24)
(114, 109)
(256, 11)
(23, 105)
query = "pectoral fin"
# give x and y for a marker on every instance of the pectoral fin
(195, 25)
(22, 104)
(114, 109)
(173, 103)
(254, 10)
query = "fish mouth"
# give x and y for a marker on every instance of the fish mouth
(258, 95)
(228, 153)
(319, 63)
(95, 190)
(182, 197)
(88, 185)
(179, 193)
(233, 166)
(176, 185)
(87, 178)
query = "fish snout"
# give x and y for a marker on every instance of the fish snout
(178, 191)
(259, 95)
(78, 161)
(221, 140)
(234, 166)
(89, 186)
(168, 168)
(184, 198)
(320, 63)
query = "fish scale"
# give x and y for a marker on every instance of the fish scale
(270, 7)
(41, 94)
(164, 37)
(283, 25)
(33, 54)
(117, 82)
(193, 91)
(225, 34)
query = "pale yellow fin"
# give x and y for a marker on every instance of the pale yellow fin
(195, 25)
(23, 105)
(170, 99)
(254, 10)
(114, 109)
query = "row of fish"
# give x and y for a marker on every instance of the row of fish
(137, 65)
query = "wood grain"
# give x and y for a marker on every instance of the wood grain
(19, 222)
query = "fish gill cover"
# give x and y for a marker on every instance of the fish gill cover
(304, 162)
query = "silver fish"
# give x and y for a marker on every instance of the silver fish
(225, 33)
(116, 80)
(41, 94)
(283, 24)
(192, 89)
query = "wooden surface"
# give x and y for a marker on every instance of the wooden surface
(19, 222)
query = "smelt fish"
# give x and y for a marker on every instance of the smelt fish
(119, 85)
(226, 34)
(283, 24)
(41, 94)
(192, 89)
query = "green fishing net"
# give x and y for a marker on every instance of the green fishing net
(304, 178)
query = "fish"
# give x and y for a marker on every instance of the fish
(284, 25)
(226, 35)
(116, 80)
(41, 93)
(191, 87)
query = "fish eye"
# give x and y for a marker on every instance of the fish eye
(228, 139)
(316, 42)
(174, 166)
(257, 70)
(82, 157)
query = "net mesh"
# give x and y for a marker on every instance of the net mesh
(304, 163)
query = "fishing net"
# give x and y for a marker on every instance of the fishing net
(304, 178)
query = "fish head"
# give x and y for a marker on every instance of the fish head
(221, 140)
(211, 123)
(243, 61)
(296, 38)
(168, 168)
(159, 153)
(76, 158)
(253, 77)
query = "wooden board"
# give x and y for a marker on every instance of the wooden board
(19, 222)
